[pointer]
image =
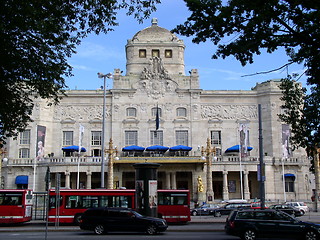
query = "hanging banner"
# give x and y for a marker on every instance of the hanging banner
(285, 141)
(41, 135)
(244, 139)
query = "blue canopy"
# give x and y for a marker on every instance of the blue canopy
(157, 148)
(22, 179)
(236, 148)
(180, 148)
(133, 148)
(73, 148)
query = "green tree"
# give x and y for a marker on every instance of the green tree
(241, 28)
(37, 38)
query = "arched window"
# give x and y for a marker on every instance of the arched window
(154, 112)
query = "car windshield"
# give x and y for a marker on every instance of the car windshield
(137, 214)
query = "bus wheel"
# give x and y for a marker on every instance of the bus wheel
(77, 218)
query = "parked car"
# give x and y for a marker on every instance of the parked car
(300, 205)
(287, 209)
(103, 220)
(229, 207)
(248, 224)
(206, 209)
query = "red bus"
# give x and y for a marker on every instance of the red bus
(15, 206)
(173, 205)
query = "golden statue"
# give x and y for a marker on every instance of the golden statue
(200, 184)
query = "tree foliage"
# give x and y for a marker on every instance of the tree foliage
(37, 38)
(241, 28)
(302, 112)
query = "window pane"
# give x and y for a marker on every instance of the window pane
(142, 53)
(24, 153)
(181, 112)
(182, 138)
(168, 53)
(156, 138)
(96, 138)
(216, 137)
(131, 138)
(155, 53)
(154, 112)
(131, 112)
(67, 138)
(25, 137)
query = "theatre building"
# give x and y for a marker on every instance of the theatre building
(206, 141)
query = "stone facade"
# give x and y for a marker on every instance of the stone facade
(155, 77)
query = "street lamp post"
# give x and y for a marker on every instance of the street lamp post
(209, 151)
(104, 76)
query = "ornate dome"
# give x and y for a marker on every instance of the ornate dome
(154, 33)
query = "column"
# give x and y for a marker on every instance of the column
(88, 184)
(173, 180)
(225, 193)
(167, 183)
(246, 185)
(67, 174)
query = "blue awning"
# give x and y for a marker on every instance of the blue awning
(180, 148)
(157, 148)
(236, 148)
(22, 179)
(73, 148)
(133, 148)
(289, 175)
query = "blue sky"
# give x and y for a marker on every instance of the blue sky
(105, 52)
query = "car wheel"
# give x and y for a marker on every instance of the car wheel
(217, 214)
(249, 235)
(76, 219)
(99, 229)
(194, 213)
(151, 230)
(311, 235)
(302, 212)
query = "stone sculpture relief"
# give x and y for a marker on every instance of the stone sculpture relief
(229, 112)
(155, 80)
(80, 112)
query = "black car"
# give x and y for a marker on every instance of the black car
(103, 220)
(206, 209)
(287, 209)
(229, 207)
(248, 224)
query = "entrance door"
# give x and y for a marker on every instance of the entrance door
(217, 189)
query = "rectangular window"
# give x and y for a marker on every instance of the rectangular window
(289, 184)
(216, 137)
(182, 137)
(155, 53)
(156, 138)
(131, 138)
(24, 153)
(154, 112)
(96, 138)
(67, 138)
(168, 53)
(142, 53)
(131, 112)
(25, 137)
(181, 112)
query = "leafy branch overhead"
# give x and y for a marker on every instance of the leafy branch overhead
(241, 28)
(37, 38)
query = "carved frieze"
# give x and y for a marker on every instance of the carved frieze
(77, 113)
(229, 112)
